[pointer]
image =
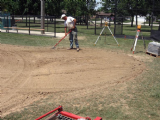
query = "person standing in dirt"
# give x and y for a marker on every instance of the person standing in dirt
(70, 23)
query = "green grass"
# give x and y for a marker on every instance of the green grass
(26, 40)
(146, 101)
(141, 100)
(153, 22)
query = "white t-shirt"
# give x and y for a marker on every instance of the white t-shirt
(69, 22)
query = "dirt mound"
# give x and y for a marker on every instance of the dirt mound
(28, 74)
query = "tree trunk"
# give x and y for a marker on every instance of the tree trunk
(149, 21)
(132, 20)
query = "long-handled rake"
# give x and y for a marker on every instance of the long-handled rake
(61, 40)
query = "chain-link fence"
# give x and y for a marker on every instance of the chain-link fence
(122, 17)
(137, 12)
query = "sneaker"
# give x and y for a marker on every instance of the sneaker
(77, 49)
(69, 48)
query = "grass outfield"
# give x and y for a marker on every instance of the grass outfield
(141, 101)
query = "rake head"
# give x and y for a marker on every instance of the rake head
(53, 47)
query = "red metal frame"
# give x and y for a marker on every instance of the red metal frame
(58, 108)
(67, 114)
(70, 115)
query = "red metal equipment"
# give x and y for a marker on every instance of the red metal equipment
(63, 115)
(61, 39)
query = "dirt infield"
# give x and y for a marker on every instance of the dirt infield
(28, 74)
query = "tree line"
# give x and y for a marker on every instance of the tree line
(52, 7)
(82, 7)
(131, 8)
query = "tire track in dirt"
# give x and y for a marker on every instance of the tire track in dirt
(36, 72)
(11, 71)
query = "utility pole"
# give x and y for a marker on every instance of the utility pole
(42, 16)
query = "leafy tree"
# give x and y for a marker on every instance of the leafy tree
(79, 7)
(54, 7)
(126, 7)
(2, 6)
(29, 7)
(152, 7)
(91, 6)
(74, 7)
(9, 6)
(21, 6)
(108, 6)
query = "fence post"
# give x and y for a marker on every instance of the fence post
(80, 20)
(12, 21)
(7, 24)
(47, 24)
(34, 19)
(101, 21)
(87, 21)
(42, 16)
(54, 26)
(115, 17)
(95, 27)
(152, 16)
(29, 25)
(26, 20)
(122, 26)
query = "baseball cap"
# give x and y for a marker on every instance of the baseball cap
(63, 15)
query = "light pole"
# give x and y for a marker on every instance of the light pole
(42, 16)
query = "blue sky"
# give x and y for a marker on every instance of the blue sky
(99, 5)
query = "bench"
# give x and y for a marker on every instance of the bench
(17, 28)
